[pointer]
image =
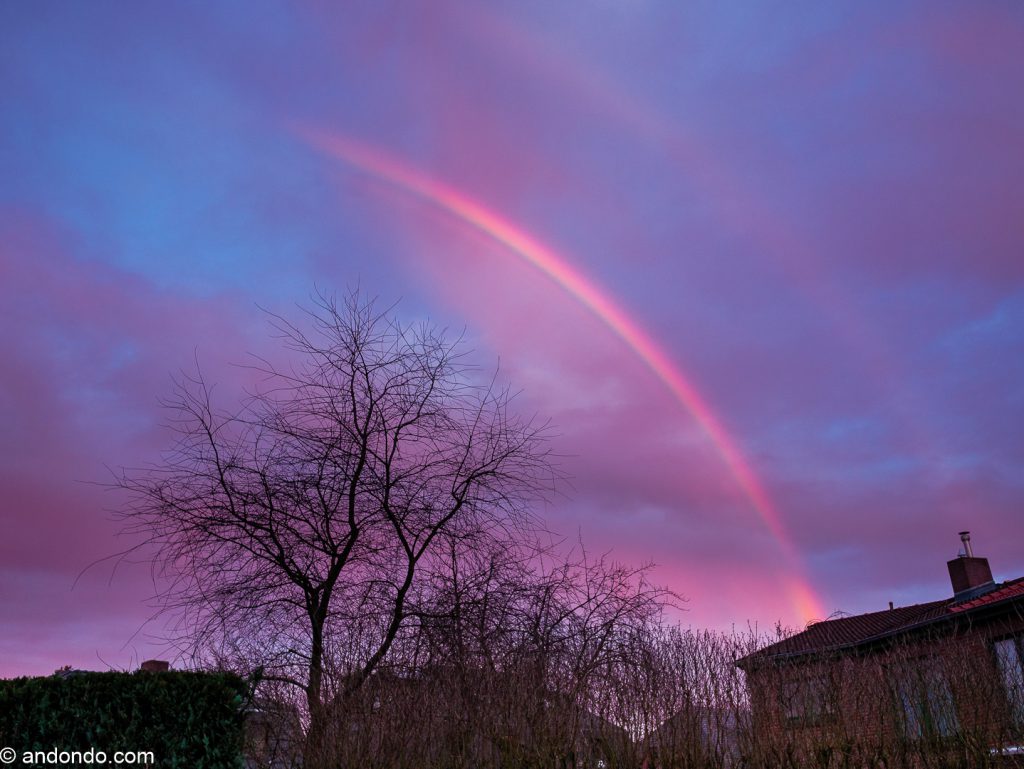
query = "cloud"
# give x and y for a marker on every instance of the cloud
(87, 351)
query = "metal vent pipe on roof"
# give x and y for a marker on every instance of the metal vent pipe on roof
(965, 537)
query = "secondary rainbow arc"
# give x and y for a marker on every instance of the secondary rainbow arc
(376, 163)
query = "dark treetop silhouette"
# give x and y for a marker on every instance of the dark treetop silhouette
(299, 531)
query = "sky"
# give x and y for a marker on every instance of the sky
(761, 264)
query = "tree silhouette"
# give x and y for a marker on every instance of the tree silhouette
(301, 528)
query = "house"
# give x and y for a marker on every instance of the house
(273, 735)
(471, 716)
(697, 735)
(938, 673)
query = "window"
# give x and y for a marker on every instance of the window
(1010, 660)
(807, 700)
(926, 701)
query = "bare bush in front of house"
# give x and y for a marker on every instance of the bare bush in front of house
(934, 698)
(575, 667)
(509, 666)
(562, 675)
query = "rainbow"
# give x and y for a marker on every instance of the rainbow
(376, 163)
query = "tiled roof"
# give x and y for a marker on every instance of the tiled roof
(846, 632)
(1012, 589)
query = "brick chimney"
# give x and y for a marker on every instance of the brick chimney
(155, 666)
(969, 575)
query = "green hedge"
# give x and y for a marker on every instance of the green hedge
(192, 720)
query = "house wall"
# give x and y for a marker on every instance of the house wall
(876, 697)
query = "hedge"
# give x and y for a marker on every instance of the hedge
(192, 720)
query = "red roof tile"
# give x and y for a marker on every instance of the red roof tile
(1011, 589)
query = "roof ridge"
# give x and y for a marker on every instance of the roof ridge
(926, 604)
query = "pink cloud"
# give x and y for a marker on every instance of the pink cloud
(87, 351)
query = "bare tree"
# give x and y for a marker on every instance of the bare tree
(302, 529)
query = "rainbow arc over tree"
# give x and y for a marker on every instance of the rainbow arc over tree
(558, 268)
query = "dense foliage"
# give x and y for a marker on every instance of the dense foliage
(185, 719)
